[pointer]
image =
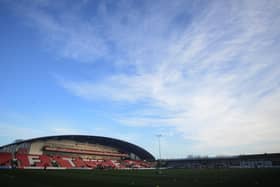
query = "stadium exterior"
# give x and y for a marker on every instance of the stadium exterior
(74, 151)
(91, 152)
(267, 160)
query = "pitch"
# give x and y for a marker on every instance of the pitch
(143, 178)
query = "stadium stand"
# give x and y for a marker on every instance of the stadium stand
(26, 161)
(242, 161)
(74, 151)
(43, 161)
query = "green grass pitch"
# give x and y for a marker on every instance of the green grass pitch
(144, 178)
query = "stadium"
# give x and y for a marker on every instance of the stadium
(96, 152)
(74, 151)
(71, 160)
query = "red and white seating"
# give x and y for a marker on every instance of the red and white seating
(5, 159)
(64, 161)
(43, 161)
(79, 163)
(23, 160)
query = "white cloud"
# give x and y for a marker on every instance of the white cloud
(50, 127)
(16, 132)
(215, 76)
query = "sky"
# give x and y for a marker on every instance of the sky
(203, 74)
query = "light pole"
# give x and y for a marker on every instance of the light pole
(159, 151)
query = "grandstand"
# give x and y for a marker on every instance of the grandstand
(271, 160)
(74, 151)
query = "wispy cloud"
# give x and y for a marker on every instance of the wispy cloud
(212, 72)
(26, 127)
(14, 131)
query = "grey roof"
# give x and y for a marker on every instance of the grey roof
(119, 144)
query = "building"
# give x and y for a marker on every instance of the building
(70, 151)
(271, 160)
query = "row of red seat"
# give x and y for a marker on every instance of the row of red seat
(29, 160)
(5, 159)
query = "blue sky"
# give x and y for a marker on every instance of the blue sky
(204, 74)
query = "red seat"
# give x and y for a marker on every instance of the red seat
(109, 164)
(79, 163)
(23, 160)
(5, 159)
(45, 161)
(92, 163)
(26, 160)
(64, 162)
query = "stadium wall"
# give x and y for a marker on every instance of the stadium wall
(271, 160)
